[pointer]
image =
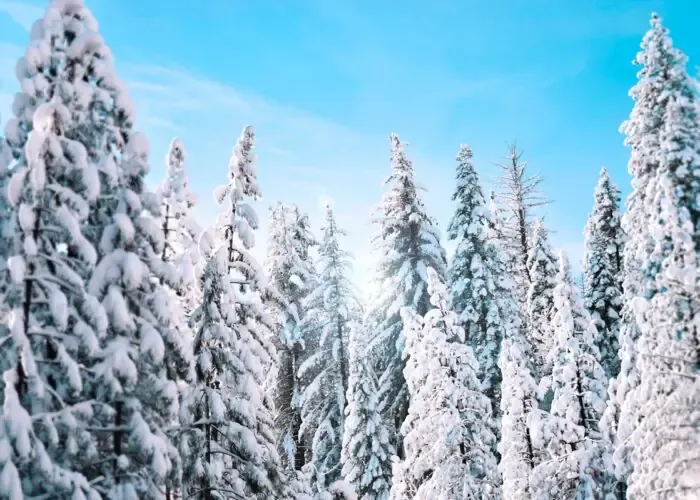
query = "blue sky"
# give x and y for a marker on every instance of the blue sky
(324, 82)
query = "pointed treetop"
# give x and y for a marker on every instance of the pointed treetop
(465, 154)
(564, 269)
(243, 164)
(176, 153)
(399, 160)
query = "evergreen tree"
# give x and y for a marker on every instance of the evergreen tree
(664, 445)
(661, 69)
(367, 450)
(518, 401)
(603, 271)
(449, 432)
(7, 229)
(407, 243)
(324, 372)
(43, 427)
(231, 447)
(573, 467)
(291, 278)
(542, 267)
(180, 231)
(131, 370)
(520, 196)
(478, 290)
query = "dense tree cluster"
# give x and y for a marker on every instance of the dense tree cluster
(147, 355)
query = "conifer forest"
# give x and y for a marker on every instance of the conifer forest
(148, 354)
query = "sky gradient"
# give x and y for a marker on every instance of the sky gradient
(324, 83)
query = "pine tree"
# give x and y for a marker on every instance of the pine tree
(519, 196)
(478, 289)
(518, 402)
(664, 444)
(291, 278)
(180, 230)
(6, 214)
(231, 446)
(573, 468)
(661, 64)
(367, 450)
(449, 432)
(136, 356)
(407, 243)
(52, 318)
(542, 267)
(603, 271)
(324, 372)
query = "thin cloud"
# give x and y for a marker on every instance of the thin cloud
(22, 14)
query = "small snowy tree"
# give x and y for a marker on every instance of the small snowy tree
(324, 372)
(291, 278)
(43, 426)
(407, 244)
(542, 268)
(479, 292)
(573, 467)
(449, 432)
(603, 271)
(518, 401)
(367, 450)
(664, 445)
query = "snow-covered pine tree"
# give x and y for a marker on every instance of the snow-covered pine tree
(407, 243)
(519, 197)
(230, 449)
(291, 278)
(367, 449)
(665, 443)
(180, 250)
(6, 212)
(660, 64)
(133, 372)
(518, 401)
(573, 467)
(479, 292)
(542, 268)
(43, 427)
(180, 230)
(449, 431)
(603, 271)
(324, 372)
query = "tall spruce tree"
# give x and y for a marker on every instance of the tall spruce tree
(573, 467)
(180, 230)
(661, 69)
(367, 449)
(542, 266)
(407, 244)
(449, 432)
(664, 445)
(479, 293)
(603, 271)
(231, 450)
(43, 427)
(324, 372)
(291, 278)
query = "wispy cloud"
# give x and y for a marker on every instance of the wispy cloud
(302, 157)
(23, 14)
